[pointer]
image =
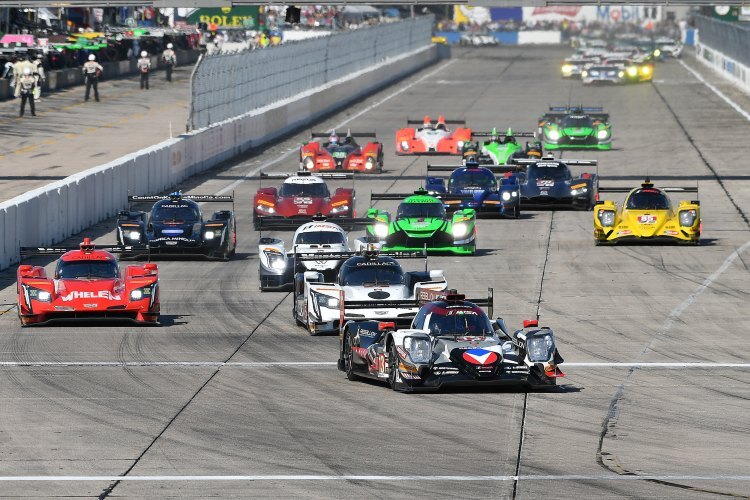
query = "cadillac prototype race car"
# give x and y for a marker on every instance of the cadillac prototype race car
(475, 187)
(647, 215)
(175, 226)
(301, 196)
(421, 222)
(549, 182)
(369, 285)
(451, 342)
(575, 128)
(503, 149)
(342, 154)
(429, 139)
(319, 237)
(87, 284)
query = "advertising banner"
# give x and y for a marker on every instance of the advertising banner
(227, 17)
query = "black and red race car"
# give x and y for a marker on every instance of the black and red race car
(341, 153)
(301, 196)
(87, 284)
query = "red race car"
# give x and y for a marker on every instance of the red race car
(341, 154)
(87, 284)
(301, 196)
(432, 139)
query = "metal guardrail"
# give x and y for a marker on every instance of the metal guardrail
(730, 38)
(227, 85)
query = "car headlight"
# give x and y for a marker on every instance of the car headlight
(208, 235)
(405, 145)
(136, 294)
(567, 68)
(327, 301)
(620, 74)
(380, 230)
(506, 195)
(265, 208)
(369, 163)
(577, 191)
(43, 296)
(460, 230)
(276, 260)
(420, 350)
(460, 144)
(540, 348)
(553, 135)
(309, 163)
(606, 217)
(645, 70)
(584, 73)
(657, 52)
(687, 217)
(602, 134)
(134, 235)
(339, 209)
(632, 71)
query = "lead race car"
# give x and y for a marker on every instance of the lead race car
(647, 215)
(87, 284)
(369, 285)
(564, 127)
(342, 154)
(301, 196)
(550, 183)
(432, 139)
(175, 226)
(475, 187)
(451, 342)
(319, 237)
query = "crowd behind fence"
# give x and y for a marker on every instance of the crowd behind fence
(228, 85)
(730, 38)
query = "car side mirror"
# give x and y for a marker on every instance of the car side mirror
(500, 323)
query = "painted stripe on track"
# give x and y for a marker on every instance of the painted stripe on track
(716, 91)
(384, 478)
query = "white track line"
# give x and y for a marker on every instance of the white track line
(384, 478)
(306, 364)
(718, 92)
(369, 108)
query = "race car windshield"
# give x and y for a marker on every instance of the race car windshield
(458, 322)
(578, 121)
(558, 173)
(420, 211)
(174, 212)
(472, 179)
(648, 199)
(321, 238)
(371, 276)
(316, 190)
(87, 269)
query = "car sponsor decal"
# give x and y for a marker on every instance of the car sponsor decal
(624, 233)
(101, 294)
(545, 183)
(480, 357)
(172, 232)
(302, 200)
(647, 219)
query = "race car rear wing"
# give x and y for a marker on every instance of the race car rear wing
(670, 189)
(573, 109)
(414, 121)
(349, 134)
(566, 161)
(512, 134)
(199, 198)
(495, 169)
(28, 252)
(310, 256)
(305, 173)
(280, 223)
(426, 296)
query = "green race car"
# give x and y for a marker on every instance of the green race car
(575, 128)
(502, 149)
(421, 222)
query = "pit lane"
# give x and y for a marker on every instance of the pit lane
(216, 392)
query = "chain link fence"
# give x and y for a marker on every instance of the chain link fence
(227, 85)
(730, 38)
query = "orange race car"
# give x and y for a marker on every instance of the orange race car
(432, 139)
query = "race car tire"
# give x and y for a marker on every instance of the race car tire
(393, 367)
(349, 360)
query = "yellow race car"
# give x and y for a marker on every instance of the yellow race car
(647, 215)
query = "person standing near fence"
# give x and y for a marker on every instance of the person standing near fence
(144, 67)
(20, 68)
(92, 70)
(40, 76)
(26, 85)
(170, 60)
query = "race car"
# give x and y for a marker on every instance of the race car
(647, 215)
(429, 139)
(573, 66)
(175, 226)
(341, 154)
(301, 196)
(502, 149)
(549, 183)
(451, 342)
(669, 46)
(564, 127)
(475, 187)
(369, 285)
(319, 237)
(603, 73)
(421, 222)
(87, 284)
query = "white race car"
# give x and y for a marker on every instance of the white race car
(319, 237)
(371, 285)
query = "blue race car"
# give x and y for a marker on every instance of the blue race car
(474, 186)
(547, 182)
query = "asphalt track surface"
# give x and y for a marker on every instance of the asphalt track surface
(230, 399)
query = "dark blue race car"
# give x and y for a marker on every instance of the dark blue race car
(550, 183)
(477, 187)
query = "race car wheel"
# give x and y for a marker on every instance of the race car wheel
(392, 366)
(348, 359)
